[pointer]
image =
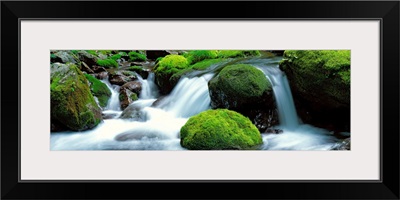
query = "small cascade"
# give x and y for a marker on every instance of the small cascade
(284, 100)
(113, 103)
(189, 97)
(149, 88)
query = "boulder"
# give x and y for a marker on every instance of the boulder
(65, 57)
(121, 77)
(72, 103)
(154, 54)
(220, 129)
(320, 84)
(166, 68)
(245, 89)
(99, 90)
(133, 86)
(126, 97)
(87, 58)
(133, 112)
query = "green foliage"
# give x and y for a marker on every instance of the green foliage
(134, 96)
(107, 63)
(99, 89)
(72, 104)
(237, 53)
(53, 56)
(135, 56)
(241, 80)
(104, 52)
(219, 129)
(74, 51)
(116, 57)
(199, 55)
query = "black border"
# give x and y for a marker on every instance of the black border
(387, 12)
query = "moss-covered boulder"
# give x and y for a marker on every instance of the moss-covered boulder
(238, 85)
(64, 57)
(167, 67)
(72, 104)
(199, 55)
(99, 90)
(136, 56)
(245, 89)
(129, 92)
(237, 53)
(219, 129)
(320, 83)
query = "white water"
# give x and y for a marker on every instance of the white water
(295, 136)
(160, 131)
(113, 103)
(284, 101)
(149, 88)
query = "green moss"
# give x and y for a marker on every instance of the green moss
(330, 63)
(116, 57)
(104, 52)
(122, 53)
(199, 55)
(74, 51)
(206, 64)
(99, 89)
(134, 96)
(128, 73)
(218, 130)
(319, 75)
(241, 80)
(135, 56)
(93, 52)
(136, 69)
(171, 64)
(75, 108)
(53, 56)
(237, 53)
(107, 63)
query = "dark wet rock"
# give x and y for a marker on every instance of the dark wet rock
(344, 145)
(65, 57)
(154, 54)
(88, 58)
(133, 86)
(109, 115)
(101, 75)
(98, 69)
(121, 77)
(126, 97)
(138, 135)
(273, 131)
(133, 112)
(84, 67)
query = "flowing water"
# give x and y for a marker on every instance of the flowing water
(164, 116)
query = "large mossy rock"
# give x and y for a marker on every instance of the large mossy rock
(72, 104)
(166, 68)
(220, 129)
(245, 89)
(99, 90)
(320, 83)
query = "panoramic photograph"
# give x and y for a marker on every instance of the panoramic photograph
(174, 100)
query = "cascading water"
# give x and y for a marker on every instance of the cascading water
(113, 103)
(283, 95)
(189, 97)
(162, 120)
(149, 88)
(159, 131)
(295, 136)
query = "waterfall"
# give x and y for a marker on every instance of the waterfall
(113, 103)
(284, 100)
(149, 88)
(159, 130)
(189, 97)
